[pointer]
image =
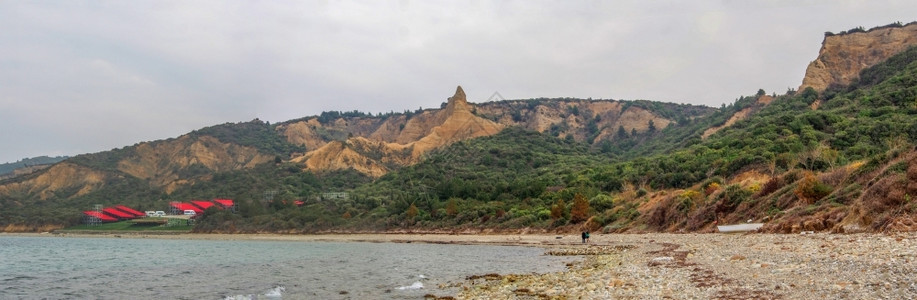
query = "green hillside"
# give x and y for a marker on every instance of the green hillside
(838, 160)
(816, 161)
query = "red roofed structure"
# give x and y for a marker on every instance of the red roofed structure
(111, 211)
(181, 207)
(102, 217)
(204, 205)
(225, 203)
(130, 210)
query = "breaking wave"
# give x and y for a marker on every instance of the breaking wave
(273, 293)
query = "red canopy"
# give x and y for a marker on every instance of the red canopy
(117, 213)
(202, 204)
(99, 215)
(226, 203)
(130, 210)
(186, 206)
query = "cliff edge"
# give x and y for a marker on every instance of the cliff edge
(843, 56)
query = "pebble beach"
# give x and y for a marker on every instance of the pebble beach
(721, 266)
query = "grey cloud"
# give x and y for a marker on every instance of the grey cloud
(80, 77)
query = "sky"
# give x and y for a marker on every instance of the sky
(88, 76)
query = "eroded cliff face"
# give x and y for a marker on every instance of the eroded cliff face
(60, 177)
(373, 158)
(743, 114)
(164, 163)
(573, 117)
(396, 141)
(843, 56)
(374, 146)
(457, 123)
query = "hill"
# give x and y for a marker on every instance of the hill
(838, 158)
(27, 165)
(332, 150)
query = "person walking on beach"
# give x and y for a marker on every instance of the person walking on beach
(587, 237)
(583, 235)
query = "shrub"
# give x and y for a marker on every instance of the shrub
(735, 194)
(711, 188)
(772, 185)
(685, 202)
(601, 202)
(641, 192)
(810, 189)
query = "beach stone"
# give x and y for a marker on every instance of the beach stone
(817, 265)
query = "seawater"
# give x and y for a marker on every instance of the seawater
(126, 268)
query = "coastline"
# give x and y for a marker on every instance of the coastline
(662, 265)
(541, 240)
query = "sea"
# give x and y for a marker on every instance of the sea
(38, 267)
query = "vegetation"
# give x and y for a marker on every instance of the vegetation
(807, 160)
(173, 225)
(256, 134)
(28, 162)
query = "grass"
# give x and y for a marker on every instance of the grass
(174, 225)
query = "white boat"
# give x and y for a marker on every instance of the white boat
(739, 227)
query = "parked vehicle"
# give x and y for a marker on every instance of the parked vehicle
(150, 213)
(189, 212)
(160, 213)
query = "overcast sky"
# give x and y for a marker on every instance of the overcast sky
(87, 76)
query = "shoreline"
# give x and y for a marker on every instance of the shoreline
(666, 265)
(541, 240)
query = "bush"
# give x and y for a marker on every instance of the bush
(641, 192)
(602, 202)
(772, 185)
(810, 189)
(735, 194)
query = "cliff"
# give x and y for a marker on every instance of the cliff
(62, 176)
(374, 152)
(376, 145)
(843, 56)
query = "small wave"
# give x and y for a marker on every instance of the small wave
(422, 276)
(275, 292)
(20, 277)
(416, 286)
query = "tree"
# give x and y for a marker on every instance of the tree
(412, 211)
(580, 210)
(651, 128)
(558, 210)
(451, 208)
(621, 133)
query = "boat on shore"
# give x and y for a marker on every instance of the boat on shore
(739, 227)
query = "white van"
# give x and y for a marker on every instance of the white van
(189, 212)
(150, 213)
(159, 213)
